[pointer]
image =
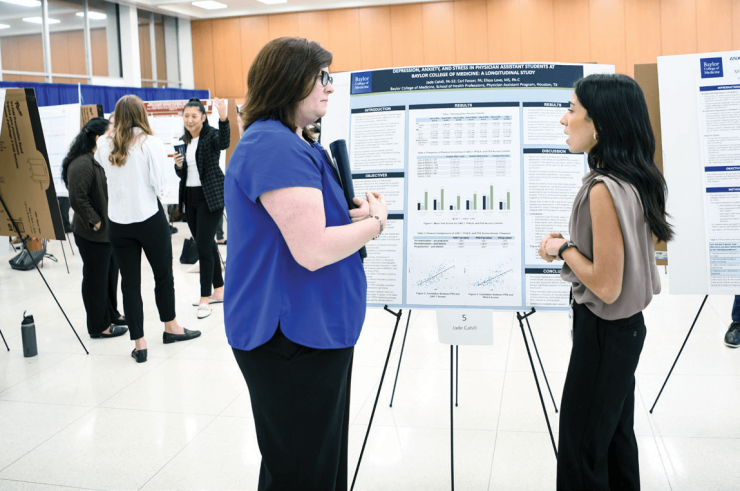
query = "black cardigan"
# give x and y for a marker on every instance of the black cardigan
(88, 196)
(210, 144)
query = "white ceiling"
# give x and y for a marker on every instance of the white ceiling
(254, 7)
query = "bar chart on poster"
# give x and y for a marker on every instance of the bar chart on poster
(473, 162)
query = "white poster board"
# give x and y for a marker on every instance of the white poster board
(61, 124)
(700, 123)
(473, 161)
(165, 120)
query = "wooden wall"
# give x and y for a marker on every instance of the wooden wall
(145, 53)
(25, 53)
(618, 32)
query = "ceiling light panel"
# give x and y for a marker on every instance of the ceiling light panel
(210, 5)
(23, 3)
(4, 26)
(273, 2)
(37, 20)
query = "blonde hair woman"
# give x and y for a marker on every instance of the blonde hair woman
(134, 163)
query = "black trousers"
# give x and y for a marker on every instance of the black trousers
(597, 449)
(154, 238)
(203, 224)
(99, 283)
(300, 402)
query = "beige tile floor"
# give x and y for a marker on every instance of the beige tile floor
(183, 420)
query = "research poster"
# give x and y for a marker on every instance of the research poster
(61, 124)
(165, 120)
(701, 142)
(474, 165)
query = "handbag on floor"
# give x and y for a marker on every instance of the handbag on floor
(189, 252)
(26, 260)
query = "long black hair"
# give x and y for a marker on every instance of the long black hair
(626, 144)
(84, 142)
(194, 102)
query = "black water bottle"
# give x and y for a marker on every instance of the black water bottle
(28, 333)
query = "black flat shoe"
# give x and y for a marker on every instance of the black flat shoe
(168, 338)
(120, 322)
(115, 331)
(139, 355)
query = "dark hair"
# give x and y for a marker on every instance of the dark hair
(84, 142)
(194, 102)
(626, 145)
(282, 74)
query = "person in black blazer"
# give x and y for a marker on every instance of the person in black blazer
(88, 196)
(202, 192)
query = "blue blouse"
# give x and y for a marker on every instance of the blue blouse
(264, 284)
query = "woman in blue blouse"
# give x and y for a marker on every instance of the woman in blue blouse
(295, 285)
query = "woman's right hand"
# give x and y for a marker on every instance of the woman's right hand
(178, 160)
(378, 206)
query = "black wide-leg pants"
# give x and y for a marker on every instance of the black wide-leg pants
(154, 238)
(99, 284)
(203, 224)
(597, 448)
(300, 401)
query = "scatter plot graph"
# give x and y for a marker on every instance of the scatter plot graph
(437, 274)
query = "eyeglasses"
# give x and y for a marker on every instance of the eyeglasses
(325, 78)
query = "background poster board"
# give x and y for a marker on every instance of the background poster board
(473, 162)
(647, 77)
(61, 124)
(165, 120)
(26, 185)
(700, 118)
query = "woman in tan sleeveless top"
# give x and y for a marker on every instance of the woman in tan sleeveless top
(609, 259)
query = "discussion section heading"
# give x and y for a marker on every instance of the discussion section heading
(455, 77)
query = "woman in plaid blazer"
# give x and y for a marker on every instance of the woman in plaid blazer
(202, 192)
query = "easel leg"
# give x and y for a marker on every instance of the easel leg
(403, 345)
(70, 244)
(4, 341)
(531, 335)
(457, 372)
(679, 353)
(452, 423)
(521, 317)
(65, 256)
(380, 387)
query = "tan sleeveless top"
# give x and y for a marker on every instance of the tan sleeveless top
(641, 280)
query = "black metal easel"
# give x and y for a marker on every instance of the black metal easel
(4, 341)
(15, 225)
(679, 352)
(380, 387)
(522, 317)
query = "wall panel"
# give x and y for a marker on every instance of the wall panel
(344, 39)
(202, 34)
(439, 33)
(608, 33)
(314, 26)
(375, 37)
(471, 20)
(145, 53)
(678, 27)
(642, 32)
(572, 31)
(504, 31)
(407, 35)
(99, 42)
(254, 35)
(283, 25)
(735, 24)
(227, 57)
(59, 56)
(714, 25)
(538, 31)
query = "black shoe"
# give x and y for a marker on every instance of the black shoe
(732, 338)
(139, 355)
(173, 230)
(68, 228)
(119, 322)
(115, 331)
(168, 338)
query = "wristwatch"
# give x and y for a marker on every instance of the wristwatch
(563, 247)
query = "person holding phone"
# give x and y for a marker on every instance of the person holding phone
(202, 192)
